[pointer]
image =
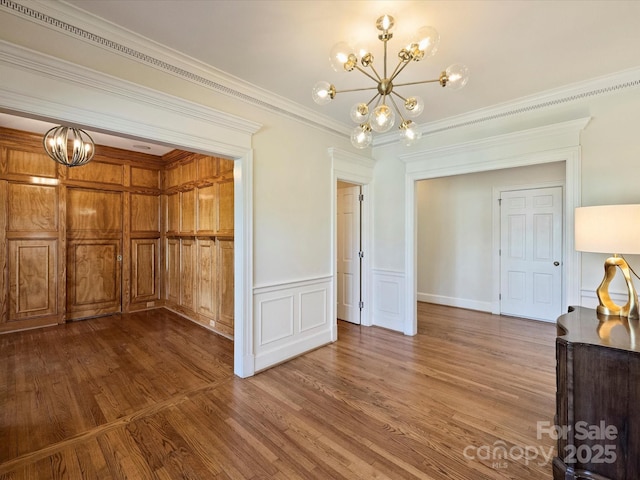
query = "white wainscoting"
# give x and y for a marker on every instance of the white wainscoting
(388, 299)
(292, 318)
(455, 302)
(589, 298)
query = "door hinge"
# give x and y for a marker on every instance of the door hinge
(361, 304)
(499, 252)
(361, 197)
(499, 296)
(500, 202)
(361, 254)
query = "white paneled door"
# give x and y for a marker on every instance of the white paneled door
(349, 261)
(531, 253)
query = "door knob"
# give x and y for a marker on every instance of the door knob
(556, 263)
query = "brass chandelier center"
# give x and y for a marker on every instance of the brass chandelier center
(385, 86)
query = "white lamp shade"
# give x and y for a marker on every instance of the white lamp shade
(608, 229)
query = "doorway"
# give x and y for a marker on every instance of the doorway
(349, 252)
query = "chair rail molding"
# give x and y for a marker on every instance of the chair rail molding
(550, 143)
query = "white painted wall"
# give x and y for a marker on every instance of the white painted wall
(455, 222)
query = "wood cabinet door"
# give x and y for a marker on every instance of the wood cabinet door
(93, 278)
(172, 276)
(188, 274)
(32, 278)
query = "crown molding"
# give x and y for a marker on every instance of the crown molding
(614, 83)
(88, 28)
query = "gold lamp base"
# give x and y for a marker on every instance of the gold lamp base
(607, 306)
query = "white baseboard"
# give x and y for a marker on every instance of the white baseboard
(455, 302)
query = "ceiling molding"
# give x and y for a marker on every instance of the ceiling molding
(606, 85)
(97, 32)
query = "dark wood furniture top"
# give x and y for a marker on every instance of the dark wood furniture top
(598, 394)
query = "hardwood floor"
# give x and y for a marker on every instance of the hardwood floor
(151, 395)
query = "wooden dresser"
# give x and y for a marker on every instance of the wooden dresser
(598, 397)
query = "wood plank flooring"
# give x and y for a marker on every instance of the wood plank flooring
(151, 395)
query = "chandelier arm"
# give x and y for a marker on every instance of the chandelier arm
(385, 57)
(416, 83)
(356, 89)
(379, 79)
(368, 74)
(395, 106)
(398, 95)
(374, 97)
(401, 66)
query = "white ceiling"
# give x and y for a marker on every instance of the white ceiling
(513, 48)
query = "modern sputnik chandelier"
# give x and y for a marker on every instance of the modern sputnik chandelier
(57, 141)
(379, 113)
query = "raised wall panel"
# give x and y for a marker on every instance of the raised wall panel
(32, 208)
(225, 281)
(188, 211)
(93, 278)
(173, 213)
(144, 270)
(207, 209)
(207, 167)
(172, 177)
(98, 172)
(188, 172)
(172, 278)
(145, 177)
(32, 278)
(225, 207)
(145, 213)
(188, 274)
(32, 164)
(94, 210)
(206, 278)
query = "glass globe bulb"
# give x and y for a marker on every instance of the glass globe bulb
(361, 136)
(409, 133)
(339, 56)
(424, 43)
(413, 106)
(359, 113)
(382, 119)
(323, 92)
(458, 76)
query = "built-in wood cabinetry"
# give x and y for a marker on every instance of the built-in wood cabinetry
(128, 231)
(198, 199)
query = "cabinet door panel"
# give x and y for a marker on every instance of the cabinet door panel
(32, 278)
(188, 211)
(93, 278)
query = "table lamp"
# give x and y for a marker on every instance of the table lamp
(613, 229)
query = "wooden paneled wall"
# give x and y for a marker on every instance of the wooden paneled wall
(198, 206)
(88, 241)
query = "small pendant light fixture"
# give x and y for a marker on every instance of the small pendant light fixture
(69, 146)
